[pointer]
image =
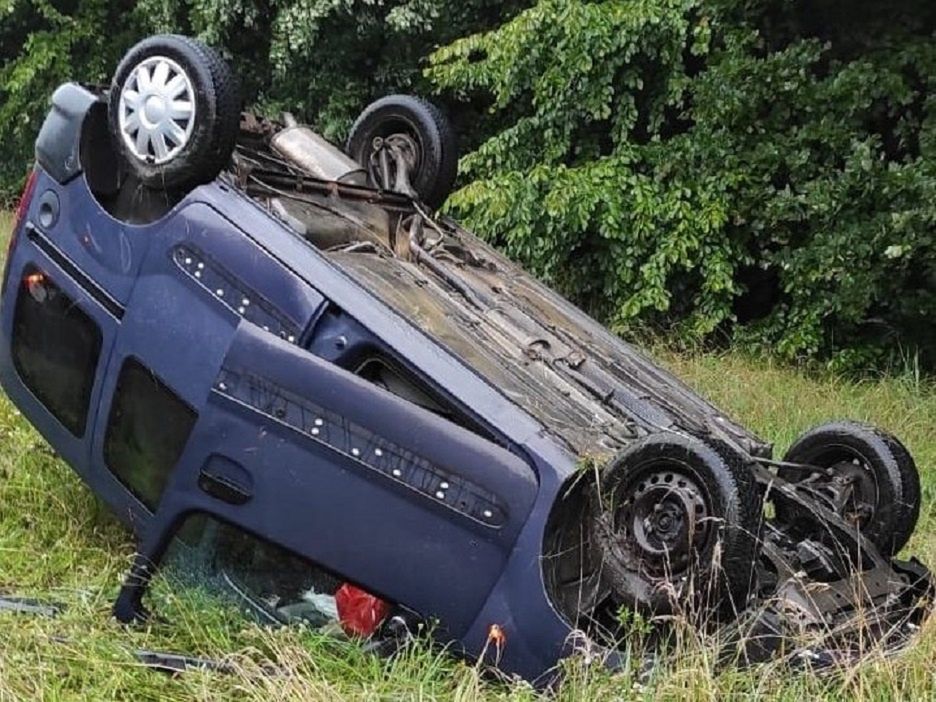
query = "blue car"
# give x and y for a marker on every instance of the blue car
(278, 365)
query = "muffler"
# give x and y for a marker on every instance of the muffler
(305, 149)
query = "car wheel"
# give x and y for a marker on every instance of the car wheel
(676, 520)
(407, 145)
(174, 111)
(866, 475)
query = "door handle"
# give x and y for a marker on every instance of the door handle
(225, 480)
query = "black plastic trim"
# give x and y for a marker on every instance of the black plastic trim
(114, 308)
(59, 143)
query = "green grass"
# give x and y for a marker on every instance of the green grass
(58, 542)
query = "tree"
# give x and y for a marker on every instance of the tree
(43, 44)
(756, 170)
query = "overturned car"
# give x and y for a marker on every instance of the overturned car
(270, 355)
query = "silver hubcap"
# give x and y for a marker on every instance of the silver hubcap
(156, 110)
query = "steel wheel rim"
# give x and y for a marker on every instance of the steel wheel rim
(662, 489)
(156, 110)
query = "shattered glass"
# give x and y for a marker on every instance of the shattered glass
(265, 581)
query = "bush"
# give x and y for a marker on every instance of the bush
(751, 171)
(755, 171)
(43, 44)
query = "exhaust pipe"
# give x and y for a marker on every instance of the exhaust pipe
(307, 150)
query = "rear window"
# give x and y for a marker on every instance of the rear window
(147, 430)
(56, 348)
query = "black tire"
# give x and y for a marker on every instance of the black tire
(712, 571)
(216, 121)
(433, 175)
(895, 496)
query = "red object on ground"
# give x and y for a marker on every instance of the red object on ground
(359, 612)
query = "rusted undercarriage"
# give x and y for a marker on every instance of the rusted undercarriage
(822, 595)
(586, 386)
(819, 590)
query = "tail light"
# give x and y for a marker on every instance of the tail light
(25, 198)
(21, 210)
(35, 283)
(359, 612)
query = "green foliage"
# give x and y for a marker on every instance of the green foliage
(320, 59)
(633, 623)
(42, 44)
(754, 171)
(757, 170)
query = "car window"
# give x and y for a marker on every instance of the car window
(209, 558)
(401, 383)
(56, 348)
(146, 432)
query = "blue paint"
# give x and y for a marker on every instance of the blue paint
(392, 535)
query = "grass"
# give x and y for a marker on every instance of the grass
(58, 542)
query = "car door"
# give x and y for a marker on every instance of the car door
(201, 279)
(387, 494)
